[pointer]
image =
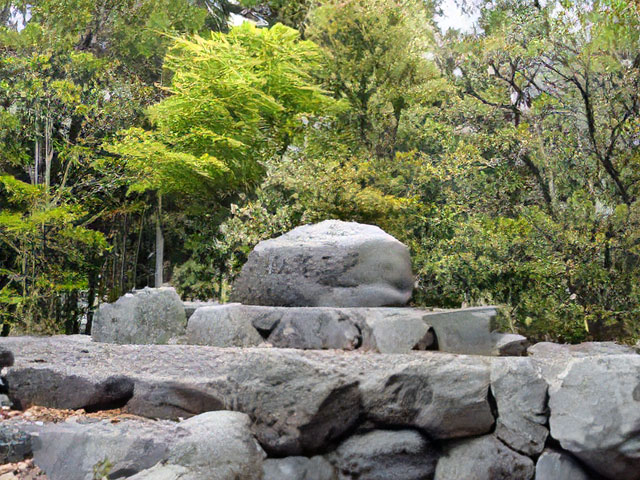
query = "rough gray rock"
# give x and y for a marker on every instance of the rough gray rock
(385, 454)
(15, 444)
(554, 465)
(299, 401)
(521, 398)
(298, 468)
(467, 330)
(315, 328)
(150, 315)
(6, 358)
(595, 413)
(509, 344)
(482, 458)
(444, 399)
(218, 446)
(395, 330)
(221, 326)
(331, 263)
(70, 450)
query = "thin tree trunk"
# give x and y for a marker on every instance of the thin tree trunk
(91, 298)
(159, 245)
(135, 262)
(123, 264)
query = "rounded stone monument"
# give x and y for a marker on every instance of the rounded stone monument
(332, 263)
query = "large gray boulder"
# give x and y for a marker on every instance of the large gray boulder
(148, 316)
(385, 454)
(299, 401)
(521, 398)
(332, 263)
(482, 458)
(221, 326)
(555, 465)
(595, 413)
(298, 468)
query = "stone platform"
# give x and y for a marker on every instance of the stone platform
(571, 411)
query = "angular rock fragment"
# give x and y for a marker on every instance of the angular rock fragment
(332, 263)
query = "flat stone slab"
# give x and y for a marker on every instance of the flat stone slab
(299, 401)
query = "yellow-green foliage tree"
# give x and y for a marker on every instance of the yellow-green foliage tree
(235, 99)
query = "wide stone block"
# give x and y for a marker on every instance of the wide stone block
(299, 401)
(332, 263)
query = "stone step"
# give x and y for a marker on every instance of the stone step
(439, 415)
(157, 316)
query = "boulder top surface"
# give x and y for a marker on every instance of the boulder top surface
(327, 232)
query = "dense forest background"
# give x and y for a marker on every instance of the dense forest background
(146, 141)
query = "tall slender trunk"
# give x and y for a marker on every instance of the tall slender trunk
(91, 298)
(123, 264)
(135, 262)
(159, 245)
(48, 153)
